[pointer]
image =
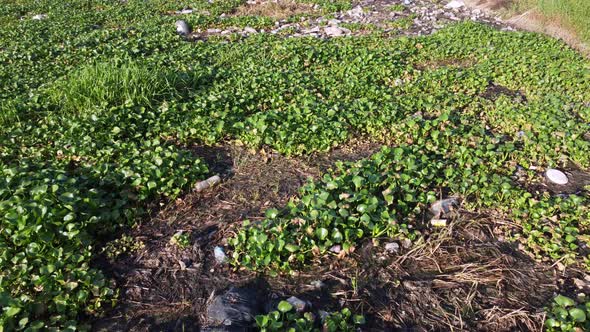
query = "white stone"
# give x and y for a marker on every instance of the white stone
(186, 11)
(356, 12)
(213, 30)
(455, 4)
(556, 176)
(333, 31)
(250, 30)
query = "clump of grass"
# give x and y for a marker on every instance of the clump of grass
(575, 13)
(115, 83)
(571, 14)
(397, 8)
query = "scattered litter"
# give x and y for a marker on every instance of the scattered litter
(220, 256)
(438, 222)
(443, 206)
(336, 249)
(182, 28)
(406, 243)
(39, 17)
(210, 182)
(392, 247)
(237, 308)
(318, 284)
(556, 176)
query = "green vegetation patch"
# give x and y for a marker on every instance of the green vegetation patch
(567, 315)
(110, 84)
(73, 168)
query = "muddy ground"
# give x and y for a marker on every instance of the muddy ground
(462, 277)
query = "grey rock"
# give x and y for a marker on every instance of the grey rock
(182, 28)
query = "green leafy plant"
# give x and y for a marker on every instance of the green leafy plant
(122, 245)
(180, 239)
(567, 315)
(118, 83)
(286, 318)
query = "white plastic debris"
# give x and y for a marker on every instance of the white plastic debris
(220, 256)
(443, 206)
(210, 182)
(392, 247)
(39, 17)
(182, 27)
(556, 176)
(438, 222)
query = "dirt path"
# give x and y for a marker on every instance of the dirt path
(531, 20)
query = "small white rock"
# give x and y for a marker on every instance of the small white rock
(356, 12)
(213, 30)
(556, 176)
(185, 11)
(250, 30)
(333, 31)
(455, 4)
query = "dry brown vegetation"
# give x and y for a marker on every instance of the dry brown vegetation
(279, 9)
(524, 15)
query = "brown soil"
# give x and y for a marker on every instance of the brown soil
(166, 288)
